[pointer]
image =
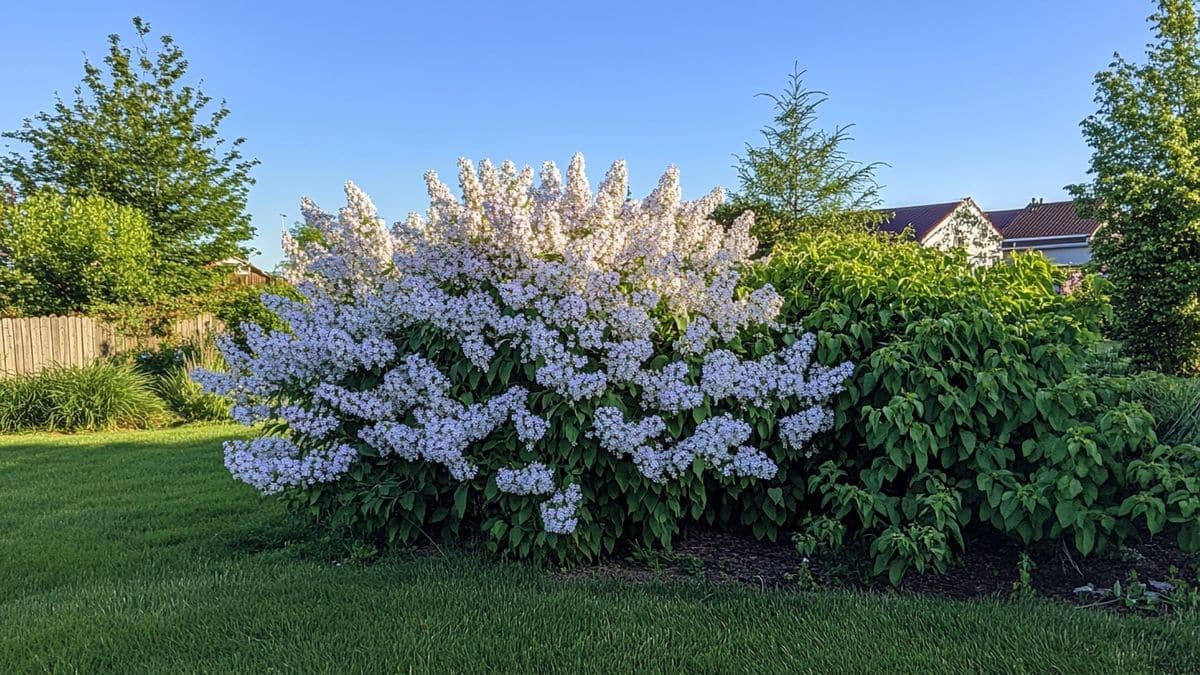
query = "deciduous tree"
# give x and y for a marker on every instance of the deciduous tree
(66, 254)
(1145, 188)
(138, 134)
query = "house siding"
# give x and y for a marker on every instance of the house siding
(967, 227)
(1071, 255)
(1061, 252)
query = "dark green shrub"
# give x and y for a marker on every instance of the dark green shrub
(156, 362)
(241, 305)
(970, 408)
(169, 356)
(101, 396)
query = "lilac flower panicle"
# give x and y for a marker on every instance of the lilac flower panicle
(559, 512)
(530, 427)
(534, 479)
(796, 430)
(748, 462)
(315, 425)
(272, 464)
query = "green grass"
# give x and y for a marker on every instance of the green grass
(135, 552)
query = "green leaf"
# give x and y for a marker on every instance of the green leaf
(1066, 513)
(460, 501)
(968, 440)
(1085, 537)
(1189, 536)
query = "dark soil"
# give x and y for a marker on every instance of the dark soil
(987, 569)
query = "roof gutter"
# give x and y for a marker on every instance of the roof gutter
(1047, 247)
(1057, 236)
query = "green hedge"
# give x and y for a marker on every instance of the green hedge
(970, 407)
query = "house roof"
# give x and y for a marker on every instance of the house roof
(923, 218)
(1002, 219)
(1043, 219)
(242, 263)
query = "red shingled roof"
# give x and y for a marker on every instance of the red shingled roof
(1052, 219)
(922, 218)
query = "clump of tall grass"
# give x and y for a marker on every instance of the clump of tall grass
(101, 396)
(24, 404)
(1175, 404)
(184, 397)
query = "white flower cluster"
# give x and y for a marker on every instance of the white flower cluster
(308, 422)
(271, 463)
(796, 430)
(559, 512)
(788, 373)
(717, 440)
(535, 479)
(447, 430)
(582, 285)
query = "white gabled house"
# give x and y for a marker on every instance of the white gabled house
(947, 226)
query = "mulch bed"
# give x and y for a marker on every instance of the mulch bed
(987, 569)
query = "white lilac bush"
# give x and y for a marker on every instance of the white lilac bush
(555, 366)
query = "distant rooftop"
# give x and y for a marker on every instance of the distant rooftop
(1003, 219)
(1043, 219)
(1038, 220)
(922, 218)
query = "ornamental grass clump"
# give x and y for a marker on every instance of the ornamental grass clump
(98, 397)
(561, 369)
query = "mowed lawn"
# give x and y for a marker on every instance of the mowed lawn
(135, 552)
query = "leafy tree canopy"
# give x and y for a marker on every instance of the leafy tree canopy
(1145, 188)
(136, 133)
(64, 254)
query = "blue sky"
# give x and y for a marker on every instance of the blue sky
(980, 99)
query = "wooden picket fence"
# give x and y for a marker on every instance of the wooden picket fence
(29, 345)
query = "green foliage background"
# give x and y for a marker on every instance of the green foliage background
(66, 254)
